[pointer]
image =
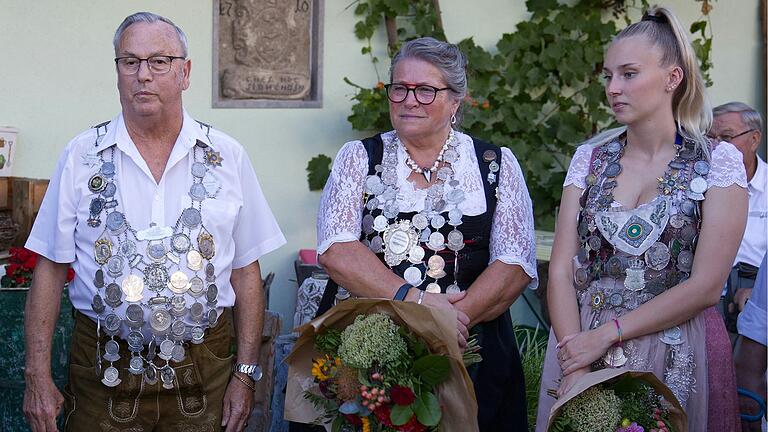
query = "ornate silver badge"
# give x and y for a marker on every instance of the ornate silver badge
(399, 239)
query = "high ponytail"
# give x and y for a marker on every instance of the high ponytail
(690, 105)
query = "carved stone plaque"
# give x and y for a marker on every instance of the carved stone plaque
(266, 53)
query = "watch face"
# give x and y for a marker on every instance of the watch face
(256, 374)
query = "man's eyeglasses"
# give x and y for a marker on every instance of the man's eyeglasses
(728, 138)
(424, 94)
(156, 64)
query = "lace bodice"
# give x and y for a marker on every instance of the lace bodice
(512, 235)
(727, 167)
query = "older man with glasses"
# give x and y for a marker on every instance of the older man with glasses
(163, 220)
(742, 126)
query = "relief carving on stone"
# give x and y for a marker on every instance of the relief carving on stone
(266, 51)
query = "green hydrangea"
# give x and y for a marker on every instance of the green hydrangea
(372, 338)
(594, 410)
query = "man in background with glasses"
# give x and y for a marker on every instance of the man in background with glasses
(164, 221)
(742, 126)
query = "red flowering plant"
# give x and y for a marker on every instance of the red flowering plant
(21, 264)
(377, 376)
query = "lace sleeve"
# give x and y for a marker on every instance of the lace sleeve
(513, 240)
(726, 166)
(577, 172)
(339, 216)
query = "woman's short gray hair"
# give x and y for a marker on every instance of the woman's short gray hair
(749, 116)
(149, 17)
(445, 56)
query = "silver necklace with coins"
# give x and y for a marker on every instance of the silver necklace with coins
(150, 270)
(409, 240)
(661, 265)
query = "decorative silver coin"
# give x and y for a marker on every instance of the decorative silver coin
(127, 248)
(197, 192)
(450, 156)
(688, 207)
(698, 185)
(112, 323)
(213, 317)
(178, 306)
(615, 357)
(594, 243)
(98, 279)
(191, 217)
(108, 169)
(416, 254)
(136, 365)
(196, 311)
(433, 288)
(97, 183)
(197, 334)
(113, 294)
(177, 354)
(380, 223)
(615, 299)
(452, 289)
(376, 244)
(212, 294)
(438, 221)
(150, 374)
(613, 147)
(135, 339)
(455, 196)
(436, 242)
(159, 320)
(194, 260)
(685, 261)
(178, 329)
(419, 221)
(156, 250)
(677, 221)
(179, 282)
(657, 256)
(672, 336)
(199, 170)
(196, 286)
(98, 304)
(581, 277)
(166, 348)
(109, 190)
(367, 224)
(210, 272)
(111, 377)
(412, 275)
(115, 221)
(612, 170)
(167, 375)
(156, 277)
(115, 265)
(701, 167)
(111, 351)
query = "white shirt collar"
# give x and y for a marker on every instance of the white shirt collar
(760, 179)
(117, 134)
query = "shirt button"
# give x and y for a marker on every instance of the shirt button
(157, 197)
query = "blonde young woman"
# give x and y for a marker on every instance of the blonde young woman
(650, 220)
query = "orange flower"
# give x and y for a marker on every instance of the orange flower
(486, 105)
(379, 85)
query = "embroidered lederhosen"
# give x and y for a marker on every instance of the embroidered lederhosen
(498, 379)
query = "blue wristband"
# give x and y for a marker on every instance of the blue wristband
(402, 292)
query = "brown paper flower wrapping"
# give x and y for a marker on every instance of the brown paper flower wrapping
(436, 327)
(677, 416)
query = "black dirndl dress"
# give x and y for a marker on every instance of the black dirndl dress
(498, 380)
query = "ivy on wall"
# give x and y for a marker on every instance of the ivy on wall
(538, 93)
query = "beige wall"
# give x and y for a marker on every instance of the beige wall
(57, 78)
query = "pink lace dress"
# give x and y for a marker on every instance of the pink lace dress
(692, 358)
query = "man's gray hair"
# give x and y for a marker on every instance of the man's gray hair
(749, 116)
(149, 17)
(444, 56)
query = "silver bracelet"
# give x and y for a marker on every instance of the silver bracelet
(421, 297)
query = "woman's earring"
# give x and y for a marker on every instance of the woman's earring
(453, 119)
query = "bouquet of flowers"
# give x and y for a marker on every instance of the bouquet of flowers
(616, 400)
(21, 264)
(381, 366)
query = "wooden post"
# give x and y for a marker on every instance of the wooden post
(261, 416)
(27, 197)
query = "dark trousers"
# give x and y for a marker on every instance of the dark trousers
(194, 404)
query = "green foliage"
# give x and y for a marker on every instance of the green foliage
(427, 409)
(318, 170)
(328, 342)
(538, 93)
(432, 369)
(532, 344)
(401, 414)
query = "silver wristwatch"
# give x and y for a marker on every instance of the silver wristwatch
(252, 370)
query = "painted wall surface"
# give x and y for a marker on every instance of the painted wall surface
(57, 78)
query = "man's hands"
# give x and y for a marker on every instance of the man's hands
(42, 403)
(238, 403)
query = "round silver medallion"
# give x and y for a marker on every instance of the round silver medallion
(197, 334)
(156, 250)
(677, 221)
(115, 265)
(194, 260)
(433, 288)
(98, 304)
(136, 365)
(191, 218)
(701, 167)
(113, 294)
(115, 221)
(196, 311)
(416, 254)
(98, 279)
(380, 223)
(685, 261)
(127, 248)
(672, 336)
(177, 354)
(212, 294)
(109, 190)
(199, 170)
(210, 272)
(108, 169)
(436, 241)
(156, 277)
(134, 315)
(698, 185)
(112, 322)
(159, 320)
(197, 192)
(111, 350)
(367, 224)
(412, 275)
(419, 221)
(452, 289)
(179, 282)
(180, 243)
(438, 221)
(178, 328)
(213, 317)
(657, 256)
(376, 244)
